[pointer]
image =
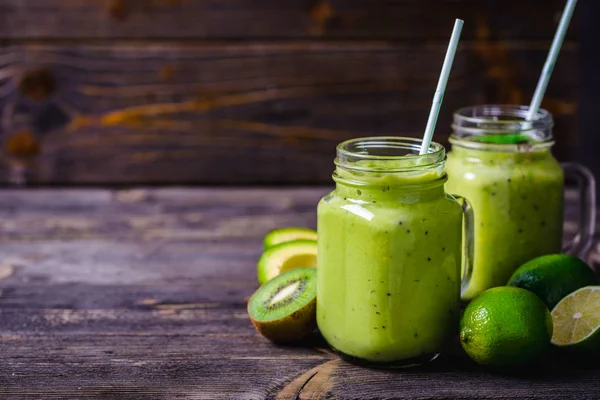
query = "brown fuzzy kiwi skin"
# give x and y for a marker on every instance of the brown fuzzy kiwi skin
(294, 327)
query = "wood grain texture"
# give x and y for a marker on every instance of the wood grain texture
(590, 84)
(250, 19)
(270, 112)
(141, 294)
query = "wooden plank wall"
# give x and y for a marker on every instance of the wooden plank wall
(254, 91)
(589, 138)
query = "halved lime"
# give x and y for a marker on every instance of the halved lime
(576, 320)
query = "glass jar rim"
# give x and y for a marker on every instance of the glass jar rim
(402, 151)
(502, 127)
(541, 117)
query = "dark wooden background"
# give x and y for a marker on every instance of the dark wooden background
(259, 91)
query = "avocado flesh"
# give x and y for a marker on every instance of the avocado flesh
(285, 257)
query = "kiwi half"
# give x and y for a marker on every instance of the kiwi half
(286, 256)
(284, 309)
(283, 235)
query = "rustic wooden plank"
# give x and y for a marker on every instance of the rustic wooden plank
(216, 346)
(204, 113)
(144, 215)
(180, 365)
(398, 19)
(590, 85)
(131, 316)
(230, 216)
(137, 366)
(214, 351)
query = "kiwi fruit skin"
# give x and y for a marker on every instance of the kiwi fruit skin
(296, 325)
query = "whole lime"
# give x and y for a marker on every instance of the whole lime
(552, 277)
(505, 327)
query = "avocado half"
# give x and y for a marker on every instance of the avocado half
(283, 235)
(285, 257)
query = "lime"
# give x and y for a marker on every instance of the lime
(576, 321)
(553, 276)
(505, 327)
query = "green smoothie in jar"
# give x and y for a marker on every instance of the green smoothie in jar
(389, 265)
(503, 165)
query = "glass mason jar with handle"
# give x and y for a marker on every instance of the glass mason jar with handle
(390, 251)
(503, 165)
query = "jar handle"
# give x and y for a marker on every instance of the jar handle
(582, 242)
(468, 241)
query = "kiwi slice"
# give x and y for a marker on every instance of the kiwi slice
(284, 309)
(286, 256)
(284, 235)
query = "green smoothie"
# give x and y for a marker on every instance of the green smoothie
(389, 264)
(517, 200)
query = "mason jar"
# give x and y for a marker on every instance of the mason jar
(503, 165)
(390, 251)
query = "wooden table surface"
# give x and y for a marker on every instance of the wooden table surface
(141, 294)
